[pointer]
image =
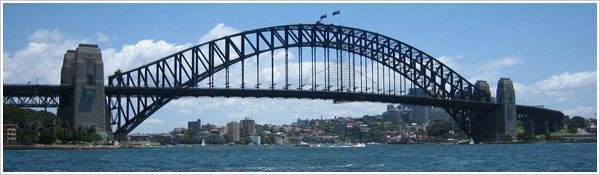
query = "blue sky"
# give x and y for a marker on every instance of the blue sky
(548, 50)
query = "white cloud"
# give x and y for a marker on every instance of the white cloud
(101, 37)
(132, 56)
(489, 71)
(217, 32)
(154, 121)
(585, 111)
(501, 63)
(568, 81)
(557, 88)
(41, 59)
(450, 61)
(275, 111)
(45, 35)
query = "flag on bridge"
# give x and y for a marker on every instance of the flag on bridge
(324, 16)
(336, 13)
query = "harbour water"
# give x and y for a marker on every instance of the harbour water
(547, 157)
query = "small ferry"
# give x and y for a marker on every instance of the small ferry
(304, 144)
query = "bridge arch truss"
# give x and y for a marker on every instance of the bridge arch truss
(212, 62)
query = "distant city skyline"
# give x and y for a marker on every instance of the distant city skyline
(548, 50)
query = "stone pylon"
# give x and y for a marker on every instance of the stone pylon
(86, 106)
(482, 119)
(506, 118)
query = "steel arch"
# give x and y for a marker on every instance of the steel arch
(185, 69)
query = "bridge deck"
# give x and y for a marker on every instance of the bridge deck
(61, 90)
(325, 95)
(36, 90)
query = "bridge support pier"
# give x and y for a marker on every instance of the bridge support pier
(484, 119)
(541, 127)
(506, 116)
(552, 126)
(86, 106)
(528, 126)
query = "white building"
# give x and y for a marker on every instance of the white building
(255, 139)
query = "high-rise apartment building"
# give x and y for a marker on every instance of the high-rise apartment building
(233, 130)
(195, 125)
(247, 127)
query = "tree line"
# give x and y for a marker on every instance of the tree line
(42, 127)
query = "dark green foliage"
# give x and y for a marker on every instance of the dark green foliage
(547, 136)
(575, 122)
(214, 139)
(524, 137)
(439, 128)
(44, 127)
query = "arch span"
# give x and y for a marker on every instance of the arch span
(189, 67)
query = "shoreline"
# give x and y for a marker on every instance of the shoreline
(68, 146)
(6, 147)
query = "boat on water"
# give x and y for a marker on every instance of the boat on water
(304, 144)
(359, 145)
(203, 143)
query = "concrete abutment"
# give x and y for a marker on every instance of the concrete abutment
(86, 106)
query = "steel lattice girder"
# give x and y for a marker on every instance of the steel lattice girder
(32, 101)
(178, 71)
(185, 69)
(35, 95)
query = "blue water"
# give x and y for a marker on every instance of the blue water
(551, 157)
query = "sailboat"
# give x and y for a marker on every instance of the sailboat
(471, 142)
(203, 143)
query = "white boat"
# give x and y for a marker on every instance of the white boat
(471, 142)
(304, 144)
(359, 145)
(203, 143)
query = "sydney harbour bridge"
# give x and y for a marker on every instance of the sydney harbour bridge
(303, 61)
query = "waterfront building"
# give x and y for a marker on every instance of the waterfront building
(195, 125)
(255, 139)
(205, 134)
(423, 115)
(439, 114)
(139, 139)
(216, 131)
(407, 115)
(209, 126)
(420, 113)
(233, 130)
(302, 123)
(392, 115)
(9, 133)
(247, 127)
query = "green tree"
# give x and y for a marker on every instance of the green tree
(576, 122)
(439, 128)
(524, 137)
